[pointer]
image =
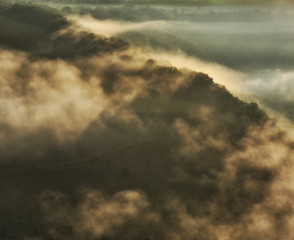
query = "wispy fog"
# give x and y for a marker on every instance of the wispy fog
(254, 42)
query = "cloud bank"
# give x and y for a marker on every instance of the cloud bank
(98, 142)
(246, 48)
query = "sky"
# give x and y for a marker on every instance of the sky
(213, 2)
(125, 121)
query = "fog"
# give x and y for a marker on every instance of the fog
(254, 42)
(137, 122)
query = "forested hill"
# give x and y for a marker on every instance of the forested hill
(99, 142)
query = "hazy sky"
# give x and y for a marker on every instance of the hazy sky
(261, 2)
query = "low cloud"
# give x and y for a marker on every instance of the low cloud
(257, 68)
(96, 216)
(109, 144)
(110, 27)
